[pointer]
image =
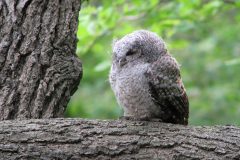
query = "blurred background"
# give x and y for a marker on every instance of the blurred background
(203, 35)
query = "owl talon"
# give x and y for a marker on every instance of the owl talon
(155, 120)
(128, 118)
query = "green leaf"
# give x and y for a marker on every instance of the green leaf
(102, 66)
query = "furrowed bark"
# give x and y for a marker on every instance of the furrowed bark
(39, 70)
(98, 139)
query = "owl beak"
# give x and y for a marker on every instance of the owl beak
(122, 61)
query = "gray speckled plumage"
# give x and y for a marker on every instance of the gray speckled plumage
(146, 79)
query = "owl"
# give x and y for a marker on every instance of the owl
(146, 79)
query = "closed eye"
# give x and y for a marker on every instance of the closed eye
(130, 52)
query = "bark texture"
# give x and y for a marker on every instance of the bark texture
(39, 70)
(95, 139)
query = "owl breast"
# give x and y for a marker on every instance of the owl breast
(132, 92)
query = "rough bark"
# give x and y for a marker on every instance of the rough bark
(39, 70)
(97, 139)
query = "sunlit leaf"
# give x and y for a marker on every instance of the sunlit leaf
(233, 62)
(103, 66)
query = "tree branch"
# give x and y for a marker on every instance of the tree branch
(98, 139)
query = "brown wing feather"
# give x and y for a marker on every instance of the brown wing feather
(167, 90)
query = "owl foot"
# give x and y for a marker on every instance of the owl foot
(140, 119)
(128, 118)
(155, 120)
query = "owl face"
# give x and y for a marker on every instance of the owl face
(129, 53)
(138, 47)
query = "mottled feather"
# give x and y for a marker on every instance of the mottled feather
(167, 90)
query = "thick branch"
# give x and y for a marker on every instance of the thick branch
(93, 139)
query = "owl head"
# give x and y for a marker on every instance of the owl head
(140, 46)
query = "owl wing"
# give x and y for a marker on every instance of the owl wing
(167, 90)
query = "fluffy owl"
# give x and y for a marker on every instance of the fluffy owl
(146, 79)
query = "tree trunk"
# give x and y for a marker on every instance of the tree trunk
(95, 139)
(39, 70)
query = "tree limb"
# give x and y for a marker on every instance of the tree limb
(107, 139)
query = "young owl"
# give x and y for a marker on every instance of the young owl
(146, 79)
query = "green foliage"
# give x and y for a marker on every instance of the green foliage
(202, 35)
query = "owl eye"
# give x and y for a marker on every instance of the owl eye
(130, 52)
